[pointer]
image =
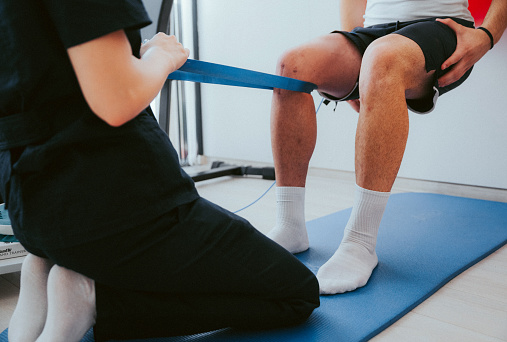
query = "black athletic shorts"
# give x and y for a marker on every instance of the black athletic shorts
(436, 40)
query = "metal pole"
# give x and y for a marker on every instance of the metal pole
(181, 96)
(163, 25)
(198, 104)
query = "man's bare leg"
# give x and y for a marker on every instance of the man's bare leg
(29, 317)
(332, 62)
(393, 69)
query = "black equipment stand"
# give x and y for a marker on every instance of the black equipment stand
(220, 169)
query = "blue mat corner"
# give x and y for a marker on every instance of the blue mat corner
(425, 240)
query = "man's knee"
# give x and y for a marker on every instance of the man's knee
(294, 64)
(383, 61)
(394, 63)
(393, 59)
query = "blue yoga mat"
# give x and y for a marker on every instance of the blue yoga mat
(425, 240)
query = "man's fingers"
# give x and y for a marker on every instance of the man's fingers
(449, 22)
(455, 58)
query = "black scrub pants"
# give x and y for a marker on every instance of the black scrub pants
(198, 268)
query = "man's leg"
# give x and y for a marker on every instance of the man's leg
(393, 69)
(332, 62)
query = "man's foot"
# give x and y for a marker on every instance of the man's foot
(351, 265)
(29, 317)
(348, 269)
(290, 231)
(292, 238)
(71, 306)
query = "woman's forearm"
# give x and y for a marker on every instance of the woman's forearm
(118, 86)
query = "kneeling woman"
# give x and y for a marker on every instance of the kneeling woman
(116, 230)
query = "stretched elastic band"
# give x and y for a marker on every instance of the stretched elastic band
(205, 72)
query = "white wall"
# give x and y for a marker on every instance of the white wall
(463, 141)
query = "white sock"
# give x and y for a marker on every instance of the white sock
(71, 306)
(351, 265)
(29, 317)
(290, 230)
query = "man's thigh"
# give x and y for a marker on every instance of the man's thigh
(437, 42)
(331, 61)
(434, 40)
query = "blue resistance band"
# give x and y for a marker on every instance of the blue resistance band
(205, 72)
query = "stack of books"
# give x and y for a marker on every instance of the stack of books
(9, 245)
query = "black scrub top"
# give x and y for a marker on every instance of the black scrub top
(80, 179)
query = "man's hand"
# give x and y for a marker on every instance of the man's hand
(471, 45)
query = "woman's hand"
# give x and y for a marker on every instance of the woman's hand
(168, 47)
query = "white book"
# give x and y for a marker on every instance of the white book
(11, 250)
(6, 229)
